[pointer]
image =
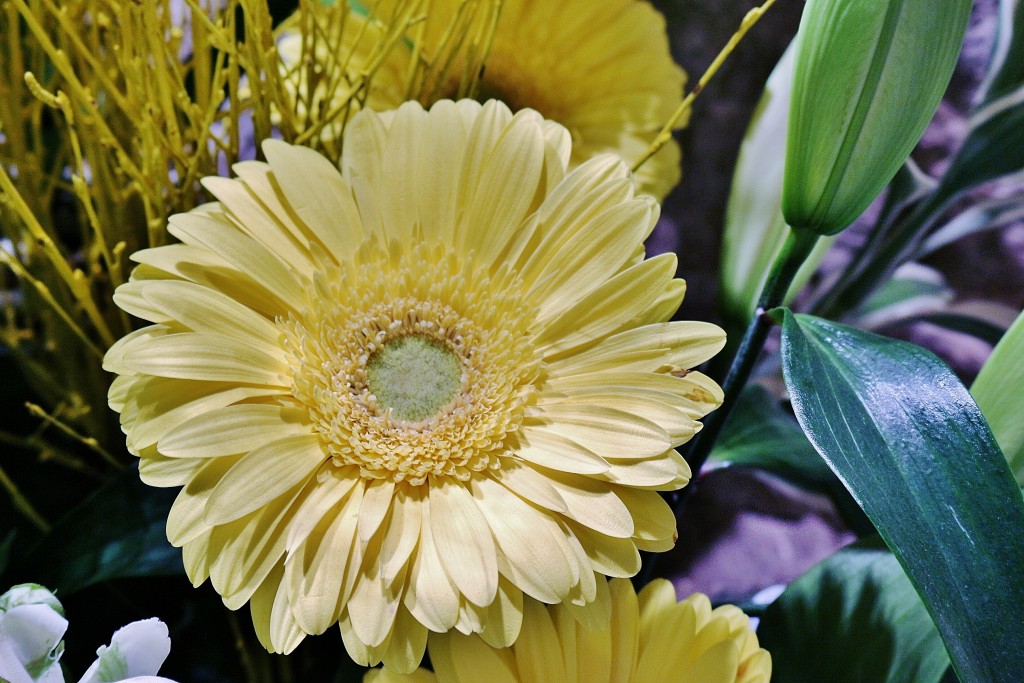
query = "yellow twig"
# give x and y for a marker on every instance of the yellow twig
(21, 503)
(665, 134)
(89, 442)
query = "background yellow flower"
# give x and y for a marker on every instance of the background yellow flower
(601, 69)
(650, 638)
(402, 394)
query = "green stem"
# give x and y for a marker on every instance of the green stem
(794, 252)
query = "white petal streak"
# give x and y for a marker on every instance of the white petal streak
(262, 475)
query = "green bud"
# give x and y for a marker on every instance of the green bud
(869, 76)
(755, 230)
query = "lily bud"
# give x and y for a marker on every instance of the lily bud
(869, 76)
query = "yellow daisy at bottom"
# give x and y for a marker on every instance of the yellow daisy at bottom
(401, 394)
(650, 639)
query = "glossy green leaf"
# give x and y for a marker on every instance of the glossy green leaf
(999, 391)
(761, 434)
(754, 227)
(869, 76)
(912, 447)
(853, 618)
(118, 531)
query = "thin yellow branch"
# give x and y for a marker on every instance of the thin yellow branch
(665, 134)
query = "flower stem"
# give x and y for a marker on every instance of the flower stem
(794, 252)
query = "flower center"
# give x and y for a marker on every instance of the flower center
(414, 377)
(413, 363)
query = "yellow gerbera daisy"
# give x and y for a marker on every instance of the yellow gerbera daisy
(650, 639)
(601, 69)
(402, 394)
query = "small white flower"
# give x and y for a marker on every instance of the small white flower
(135, 654)
(32, 624)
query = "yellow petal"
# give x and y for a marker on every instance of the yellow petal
(608, 308)
(318, 570)
(515, 165)
(316, 191)
(233, 429)
(679, 344)
(546, 448)
(245, 254)
(592, 503)
(430, 596)
(207, 310)
(248, 214)
(615, 557)
(605, 431)
(538, 656)
(262, 475)
(533, 545)
(463, 541)
(465, 659)
(206, 357)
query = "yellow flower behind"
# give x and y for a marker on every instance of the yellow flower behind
(402, 394)
(601, 69)
(650, 639)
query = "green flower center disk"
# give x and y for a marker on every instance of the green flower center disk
(415, 377)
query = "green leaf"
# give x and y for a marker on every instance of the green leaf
(994, 145)
(999, 391)
(915, 290)
(985, 321)
(991, 215)
(761, 434)
(869, 76)
(914, 450)
(754, 227)
(118, 531)
(853, 618)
